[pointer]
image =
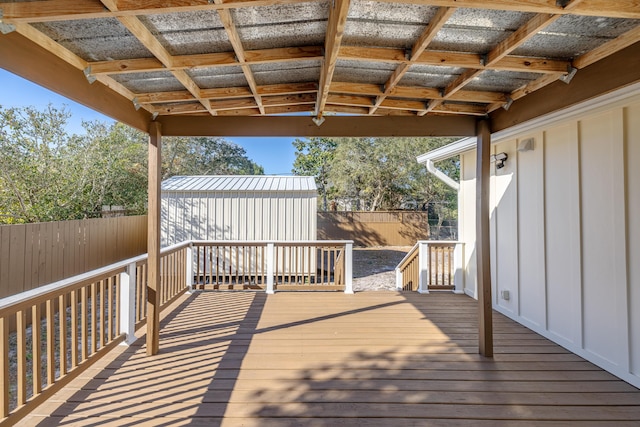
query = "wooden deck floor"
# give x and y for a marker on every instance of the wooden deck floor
(329, 359)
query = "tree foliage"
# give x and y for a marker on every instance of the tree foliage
(375, 173)
(314, 157)
(48, 175)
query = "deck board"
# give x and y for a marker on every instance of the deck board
(326, 359)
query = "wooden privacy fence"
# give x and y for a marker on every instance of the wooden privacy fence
(431, 265)
(32, 255)
(307, 265)
(386, 228)
(74, 322)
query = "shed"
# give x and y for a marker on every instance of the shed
(238, 207)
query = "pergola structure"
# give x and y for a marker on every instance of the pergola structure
(385, 68)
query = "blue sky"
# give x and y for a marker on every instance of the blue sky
(276, 155)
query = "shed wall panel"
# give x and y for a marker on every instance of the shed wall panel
(238, 215)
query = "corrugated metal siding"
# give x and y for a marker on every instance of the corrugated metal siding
(238, 208)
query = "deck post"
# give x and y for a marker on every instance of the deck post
(153, 240)
(270, 266)
(458, 269)
(127, 303)
(423, 267)
(189, 268)
(485, 315)
(348, 268)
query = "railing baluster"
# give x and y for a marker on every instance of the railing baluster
(94, 319)
(51, 345)
(36, 357)
(101, 310)
(110, 316)
(83, 324)
(74, 329)
(21, 371)
(4, 367)
(62, 321)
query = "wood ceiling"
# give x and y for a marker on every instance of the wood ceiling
(179, 59)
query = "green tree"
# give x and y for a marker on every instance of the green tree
(375, 173)
(48, 175)
(314, 157)
(205, 156)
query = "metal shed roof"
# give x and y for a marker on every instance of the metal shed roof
(236, 183)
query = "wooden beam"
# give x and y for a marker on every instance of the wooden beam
(303, 126)
(52, 10)
(483, 248)
(456, 59)
(609, 48)
(613, 72)
(614, 9)
(24, 58)
(338, 10)
(520, 36)
(153, 239)
(58, 10)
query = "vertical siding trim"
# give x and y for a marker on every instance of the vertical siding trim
(577, 242)
(543, 208)
(620, 227)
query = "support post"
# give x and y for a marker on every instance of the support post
(128, 303)
(485, 315)
(189, 268)
(348, 268)
(458, 271)
(423, 268)
(270, 266)
(153, 240)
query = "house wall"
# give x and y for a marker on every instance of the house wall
(565, 231)
(233, 215)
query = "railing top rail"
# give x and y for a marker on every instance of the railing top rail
(265, 242)
(414, 249)
(412, 253)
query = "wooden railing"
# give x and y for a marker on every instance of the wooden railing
(318, 265)
(408, 271)
(431, 265)
(51, 334)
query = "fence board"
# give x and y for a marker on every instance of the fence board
(33, 255)
(395, 228)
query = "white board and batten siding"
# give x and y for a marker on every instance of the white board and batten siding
(565, 230)
(276, 208)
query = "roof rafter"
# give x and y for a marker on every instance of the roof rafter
(437, 22)
(234, 38)
(335, 30)
(137, 28)
(516, 39)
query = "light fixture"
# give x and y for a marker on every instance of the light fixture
(527, 144)
(499, 159)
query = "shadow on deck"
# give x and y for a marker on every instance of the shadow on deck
(328, 359)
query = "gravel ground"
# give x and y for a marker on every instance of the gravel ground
(374, 268)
